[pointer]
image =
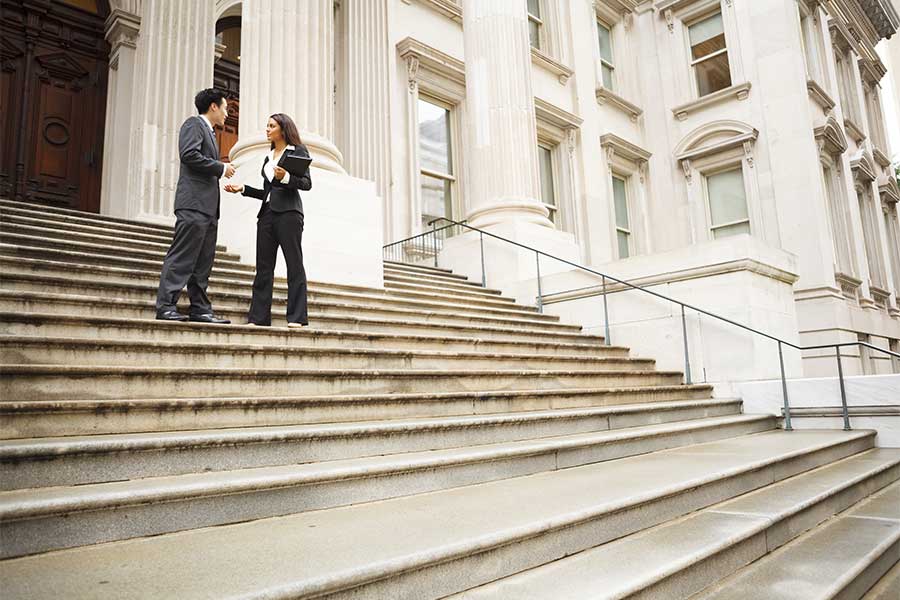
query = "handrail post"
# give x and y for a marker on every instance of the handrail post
(483, 275)
(784, 392)
(844, 409)
(605, 316)
(687, 358)
(434, 239)
(540, 296)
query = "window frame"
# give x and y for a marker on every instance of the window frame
(626, 184)
(613, 75)
(554, 215)
(539, 21)
(452, 159)
(734, 165)
(694, 20)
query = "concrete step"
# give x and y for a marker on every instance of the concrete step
(54, 234)
(842, 558)
(38, 520)
(454, 291)
(46, 418)
(423, 269)
(887, 588)
(239, 293)
(31, 350)
(149, 274)
(458, 283)
(429, 545)
(76, 460)
(78, 216)
(325, 315)
(681, 557)
(36, 246)
(61, 222)
(91, 308)
(54, 325)
(59, 382)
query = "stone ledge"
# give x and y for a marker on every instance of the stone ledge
(607, 96)
(740, 91)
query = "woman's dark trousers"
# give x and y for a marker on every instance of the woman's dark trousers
(274, 230)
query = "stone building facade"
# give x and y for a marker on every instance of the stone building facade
(731, 153)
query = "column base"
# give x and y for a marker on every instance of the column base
(526, 210)
(324, 153)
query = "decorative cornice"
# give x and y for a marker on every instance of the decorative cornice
(623, 148)
(449, 8)
(547, 63)
(831, 138)
(740, 91)
(881, 158)
(882, 15)
(889, 192)
(423, 56)
(863, 167)
(820, 96)
(855, 131)
(556, 116)
(607, 96)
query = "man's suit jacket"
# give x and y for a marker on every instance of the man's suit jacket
(283, 197)
(198, 181)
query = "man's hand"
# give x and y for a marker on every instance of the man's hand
(234, 189)
(279, 173)
(229, 171)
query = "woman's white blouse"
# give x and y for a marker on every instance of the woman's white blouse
(269, 169)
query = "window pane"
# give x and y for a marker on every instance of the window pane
(707, 36)
(435, 198)
(534, 8)
(434, 138)
(622, 239)
(727, 202)
(731, 230)
(534, 34)
(605, 43)
(607, 77)
(713, 74)
(621, 203)
(545, 158)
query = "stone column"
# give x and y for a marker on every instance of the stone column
(174, 62)
(122, 30)
(364, 95)
(502, 151)
(287, 65)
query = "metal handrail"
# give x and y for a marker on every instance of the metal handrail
(684, 305)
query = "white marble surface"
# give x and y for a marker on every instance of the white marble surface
(882, 391)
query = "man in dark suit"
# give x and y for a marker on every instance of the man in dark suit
(190, 257)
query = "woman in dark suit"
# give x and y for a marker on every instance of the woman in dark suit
(279, 223)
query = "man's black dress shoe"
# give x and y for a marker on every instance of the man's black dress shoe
(171, 315)
(209, 318)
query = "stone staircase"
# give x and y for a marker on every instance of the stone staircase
(427, 440)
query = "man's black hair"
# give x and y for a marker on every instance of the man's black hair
(206, 97)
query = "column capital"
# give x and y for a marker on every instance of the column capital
(122, 30)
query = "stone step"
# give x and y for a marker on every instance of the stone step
(60, 382)
(37, 246)
(39, 520)
(46, 418)
(98, 307)
(240, 293)
(681, 557)
(55, 325)
(127, 242)
(31, 350)
(398, 287)
(428, 545)
(64, 223)
(325, 315)
(425, 269)
(459, 282)
(842, 558)
(394, 282)
(888, 587)
(77, 460)
(150, 274)
(78, 216)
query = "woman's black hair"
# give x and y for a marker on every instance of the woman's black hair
(288, 129)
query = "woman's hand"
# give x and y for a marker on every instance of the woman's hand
(279, 173)
(234, 189)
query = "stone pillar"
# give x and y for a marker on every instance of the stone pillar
(287, 65)
(122, 30)
(363, 117)
(174, 62)
(503, 172)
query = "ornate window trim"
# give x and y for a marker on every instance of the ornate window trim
(628, 162)
(830, 138)
(820, 96)
(557, 130)
(740, 91)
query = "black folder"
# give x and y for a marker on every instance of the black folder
(295, 164)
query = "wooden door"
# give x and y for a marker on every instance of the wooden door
(55, 64)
